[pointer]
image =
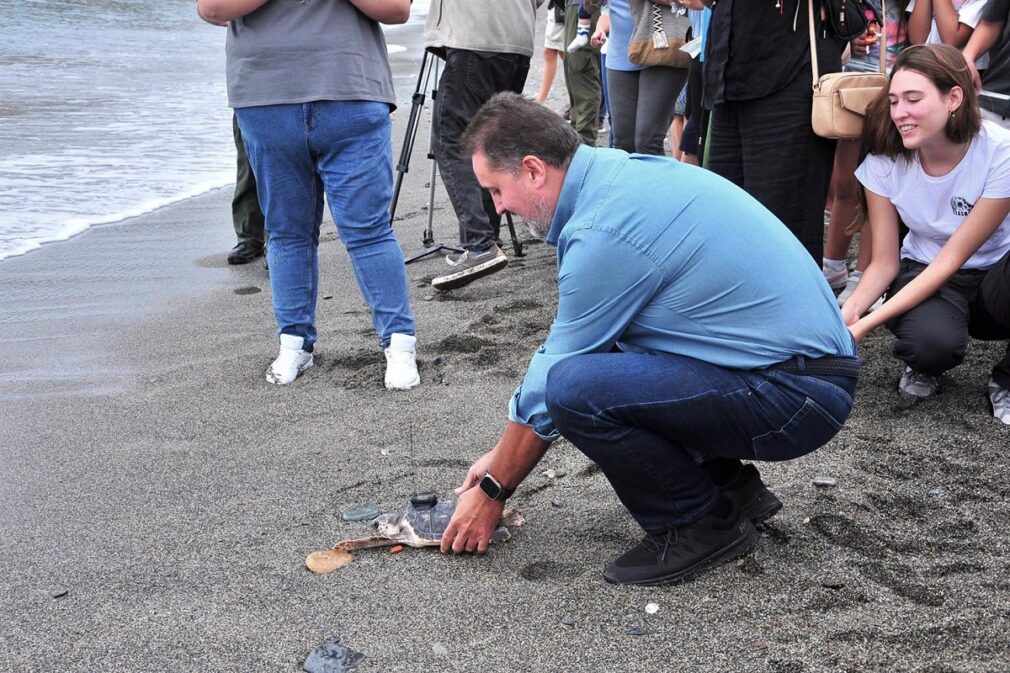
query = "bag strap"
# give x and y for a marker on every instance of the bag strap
(883, 37)
(813, 44)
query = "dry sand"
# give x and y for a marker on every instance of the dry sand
(158, 498)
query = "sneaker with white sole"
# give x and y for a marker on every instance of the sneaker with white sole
(290, 362)
(470, 265)
(836, 279)
(850, 286)
(999, 398)
(401, 362)
(916, 385)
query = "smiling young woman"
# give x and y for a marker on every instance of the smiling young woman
(933, 163)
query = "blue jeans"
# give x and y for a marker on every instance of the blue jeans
(651, 421)
(342, 149)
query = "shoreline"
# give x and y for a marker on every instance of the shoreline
(158, 498)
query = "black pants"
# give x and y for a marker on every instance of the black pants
(469, 79)
(933, 336)
(768, 147)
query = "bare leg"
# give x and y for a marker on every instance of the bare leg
(676, 132)
(845, 207)
(550, 70)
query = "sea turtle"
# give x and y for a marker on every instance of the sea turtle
(420, 525)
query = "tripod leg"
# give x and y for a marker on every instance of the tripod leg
(416, 105)
(517, 247)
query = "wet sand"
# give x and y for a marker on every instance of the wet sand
(158, 498)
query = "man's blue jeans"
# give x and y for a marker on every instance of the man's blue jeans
(342, 149)
(651, 421)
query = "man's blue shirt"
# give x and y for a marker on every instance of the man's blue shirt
(658, 256)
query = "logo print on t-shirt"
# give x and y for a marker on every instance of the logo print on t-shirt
(960, 206)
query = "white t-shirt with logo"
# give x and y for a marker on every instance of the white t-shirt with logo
(969, 12)
(934, 207)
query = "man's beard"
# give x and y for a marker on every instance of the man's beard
(538, 222)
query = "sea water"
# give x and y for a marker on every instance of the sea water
(112, 108)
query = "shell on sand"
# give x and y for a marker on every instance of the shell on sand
(323, 562)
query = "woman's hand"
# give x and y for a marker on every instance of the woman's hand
(859, 330)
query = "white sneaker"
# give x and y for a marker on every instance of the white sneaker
(401, 362)
(999, 397)
(836, 279)
(850, 284)
(290, 362)
(917, 385)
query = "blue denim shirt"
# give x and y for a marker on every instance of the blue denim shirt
(658, 256)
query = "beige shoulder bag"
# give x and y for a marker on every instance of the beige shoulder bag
(841, 98)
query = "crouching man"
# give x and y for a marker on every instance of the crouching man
(693, 332)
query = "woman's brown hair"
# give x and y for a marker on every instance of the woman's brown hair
(946, 68)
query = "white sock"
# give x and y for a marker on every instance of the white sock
(834, 264)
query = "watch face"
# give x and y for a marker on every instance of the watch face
(490, 487)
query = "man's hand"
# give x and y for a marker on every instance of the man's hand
(475, 472)
(473, 522)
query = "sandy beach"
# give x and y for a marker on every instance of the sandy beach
(158, 497)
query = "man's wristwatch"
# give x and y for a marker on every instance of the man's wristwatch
(493, 489)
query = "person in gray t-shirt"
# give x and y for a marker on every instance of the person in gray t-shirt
(312, 91)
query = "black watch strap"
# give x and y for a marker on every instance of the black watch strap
(493, 489)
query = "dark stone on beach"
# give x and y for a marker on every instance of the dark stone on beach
(567, 621)
(363, 513)
(835, 583)
(557, 503)
(327, 296)
(635, 631)
(332, 657)
(438, 361)
(248, 289)
(61, 593)
(936, 491)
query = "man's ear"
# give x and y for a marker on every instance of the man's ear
(533, 169)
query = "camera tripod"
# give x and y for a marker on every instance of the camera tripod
(429, 65)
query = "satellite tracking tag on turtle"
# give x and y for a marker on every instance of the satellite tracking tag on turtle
(421, 525)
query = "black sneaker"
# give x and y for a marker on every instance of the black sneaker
(682, 552)
(245, 252)
(756, 501)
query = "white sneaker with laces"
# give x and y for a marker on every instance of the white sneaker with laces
(916, 385)
(401, 362)
(999, 397)
(290, 362)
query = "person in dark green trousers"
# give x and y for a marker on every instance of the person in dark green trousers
(245, 208)
(582, 77)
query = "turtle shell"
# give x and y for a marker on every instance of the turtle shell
(430, 521)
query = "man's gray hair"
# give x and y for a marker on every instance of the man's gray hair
(509, 127)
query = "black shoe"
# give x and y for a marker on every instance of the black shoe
(756, 501)
(244, 252)
(681, 552)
